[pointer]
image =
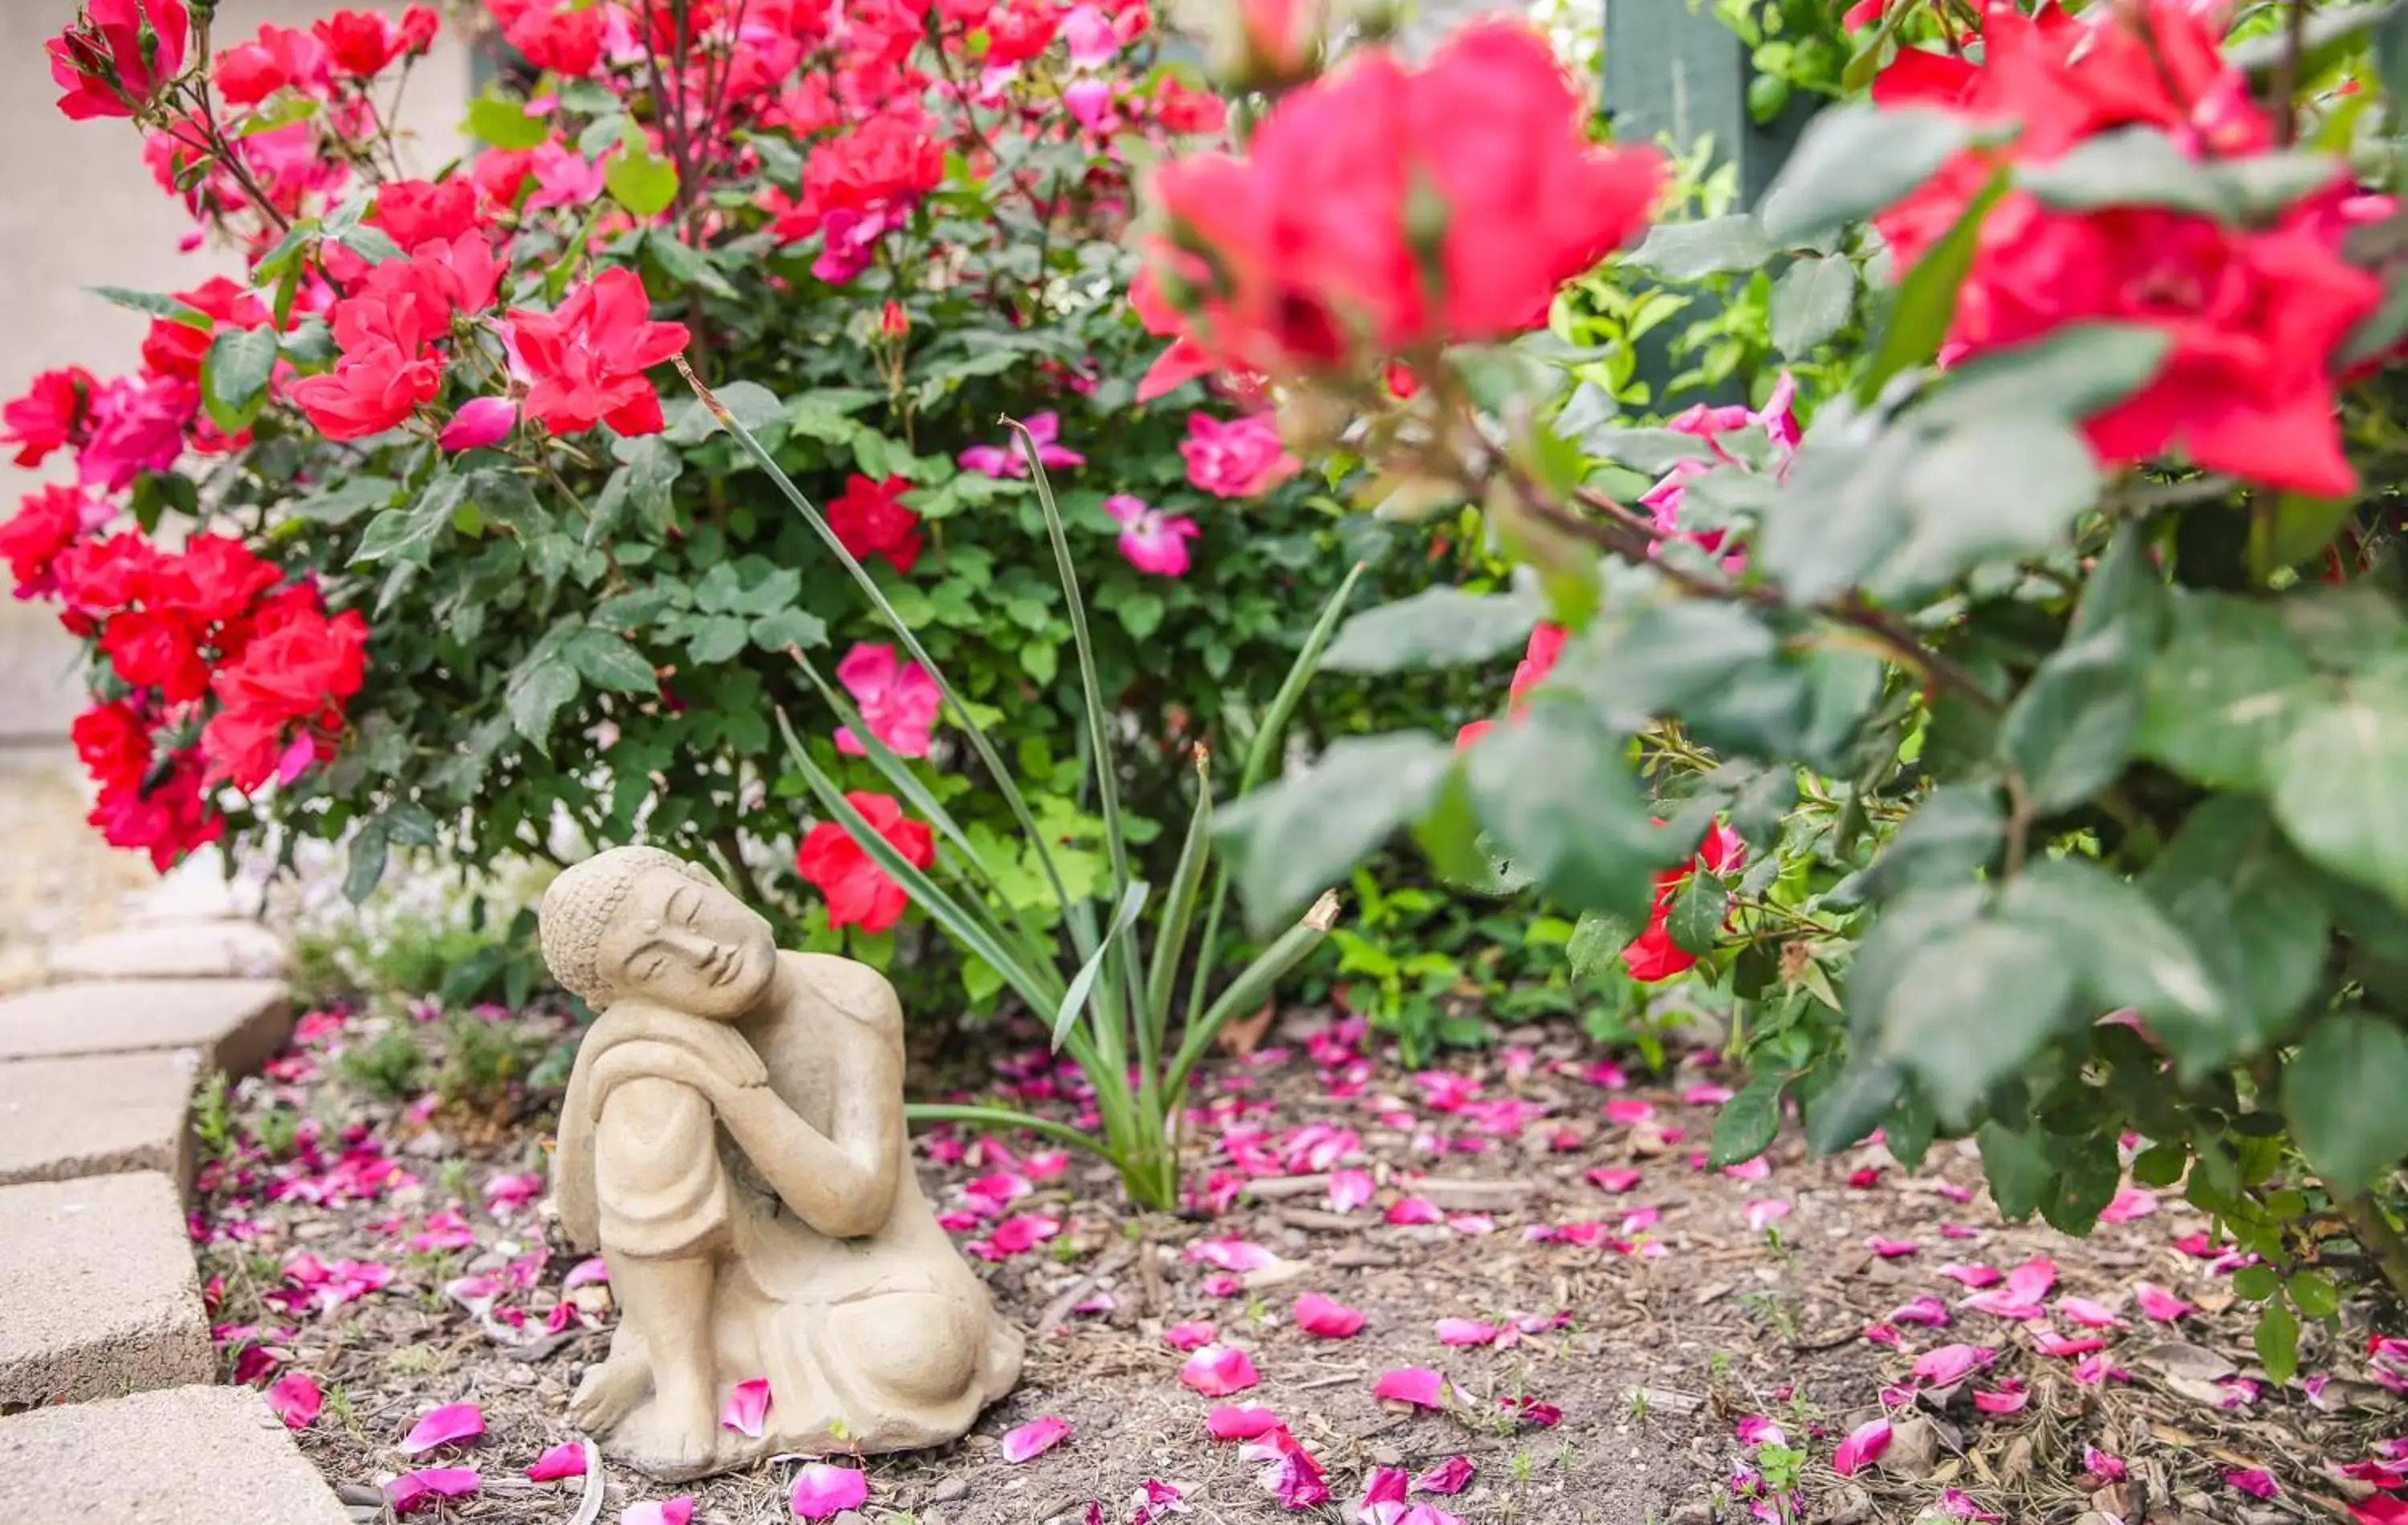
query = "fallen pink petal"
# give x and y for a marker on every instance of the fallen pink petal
(444, 1426)
(1453, 1476)
(295, 1399)
(2132, 1204)
(676, 1511)
(2009, 1396)
(2099, 1464)
(415, 1490)
(1349, 1190)
(1864, 1444)
(1466, 1331)
(1414, 1210)
(1188, 1336)
(1218, 1370)
(1953, 1363)
(822, 1490)
(1971, 1276)
(747, 1407)
(1325, 1319)
(1890, 1249)
(1764, 1214)
(1240, 1421)
(565, 1459)
(2157, 1302)
(2089, 1314)
(1035, 1438)
(1923, 1309)
(1615, 1181)
(2257, 1483)
(1416, 1385)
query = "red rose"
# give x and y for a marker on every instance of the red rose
(150, 649)
(869, 520)
(371, 389)
(1018, 32)
(859, 892)
(49, 520)
(51, 413)
(588, 356)
(360, 43)
(116, 53)
(890, 158)
(568, 42)
(113, 744)
(211, 582)
(1652, 955)
(97, 578)
(168, 820)
(302, 668)
(419, 212)
(174, 348)
(281, 57)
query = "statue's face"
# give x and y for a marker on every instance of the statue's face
(689, 946)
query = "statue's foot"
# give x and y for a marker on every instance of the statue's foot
(668, 1441)
(610, 1392)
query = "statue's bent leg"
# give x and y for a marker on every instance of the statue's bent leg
(917, 1352)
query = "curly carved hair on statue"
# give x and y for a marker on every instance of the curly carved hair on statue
(578, 907)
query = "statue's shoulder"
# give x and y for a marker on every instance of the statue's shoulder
(849, 986)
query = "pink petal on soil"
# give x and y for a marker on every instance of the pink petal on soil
(747, 1406)
(1473, 1223)
(1187, 1336)
(1416, 1385)
(565, 1459)
(1890, 1249)
(1220, 1284)
(2255, 1482)
(2099, 1464)
(1453, 1476)
(2131, 1203)
(1763, 1215)
(1959, 1506)
(1218, 1370)
(675, 1511)
(1952, 1362)
(2089, 1314)
(2048, 1342)
(2380, 1510)
(1614, 1180)
(414, 1490)
(1349, 1190)
(1865, 1443)
(2008, 1398)
(1466, 1331)
(2158, 1303)
(1035, 1438)
(443, 1426)
(1627, 1111)
(1882, 1335)
(821, 1490)
(1386, 1485)
(1925, 1309)
(1414, 1210)
(1325, 1319)
(1756, 1430)
(1230, 1254)
(295, 1399)
(1971, 1275)
(1240, 1421)
(1705, 1096)
(592, 1269)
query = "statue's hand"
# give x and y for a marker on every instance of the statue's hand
(666, 1061)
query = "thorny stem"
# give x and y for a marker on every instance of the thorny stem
(2287, 74)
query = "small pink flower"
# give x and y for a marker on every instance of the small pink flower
(295, 1399)
(2257, 1483)
(1239, 458)
(747, 1407)
(480, 422)
(1765, 1214)
(821, 1490)
(565, 1459)
(1451, 1476)
(1416, 1385)
(1325, 1319)
(1889, 1249)
(1349, 1189)
(898, 700)
(1151, 540)
(1035, 1438)
(414, 1490)
(2158, 1303)
(1865, 1443)
(1952, 1362)
(444, 1426)
(1218, 1370)
(1187, 1336)
(1240, 1421)
(1005, 460)
(676, 1511)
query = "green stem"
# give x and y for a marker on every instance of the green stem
(939, 1112)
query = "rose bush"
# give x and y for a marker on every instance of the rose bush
(1997, 710)
(472, 564)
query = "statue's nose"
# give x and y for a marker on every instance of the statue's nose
(694, 947)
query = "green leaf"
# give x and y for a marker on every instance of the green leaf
(233, 375)
(2122, 951)
(1843, 1114)
(1598, 939)
(407, 534)
(2126, 166)
(1748, 1122)
(1141, 614)
(2336, 779)
(1967, 1008)
(608, 661)
(1841, 510)
(2089, 1173)
(345, 502)
(2160, 1164)
(504, 122)
(713, 639)
(1647, 451)
(685, 263)
(2255, 1283)
(1294, 839)
(2313, 1294)
(2069, 733)
(2071, 373)
(1811, 302)
(650, 467)
(2231, 681)
(365, 868)
(642, 182)
(2005, 487)
(2277, 1339)
(782, 627)
(536, 692)
(1082, 984)
(1556, 795)
(2291, 527)
(1692, 251)
(1854, 159)
(1957, 830)
(1926, 304)
(2342, 1092)
(1695, 919)
(1439, 626)
(2247, 907)
(155, 304)
(750, 403)
(2017, 1168)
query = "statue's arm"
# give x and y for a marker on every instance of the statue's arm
(844, 1186)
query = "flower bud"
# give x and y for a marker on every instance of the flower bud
(479, 422)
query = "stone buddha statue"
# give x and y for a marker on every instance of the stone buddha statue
(733, 1141)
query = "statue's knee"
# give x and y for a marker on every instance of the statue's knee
(917, 1345)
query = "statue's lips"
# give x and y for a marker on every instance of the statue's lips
(729, 967)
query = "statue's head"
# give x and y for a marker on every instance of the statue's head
(635, 922)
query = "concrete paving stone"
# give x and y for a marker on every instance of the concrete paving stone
(99, 1116)
(187, 1456)
(97, 1296)
(196, 889)
(178, 950)
(237, 1024)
